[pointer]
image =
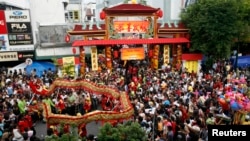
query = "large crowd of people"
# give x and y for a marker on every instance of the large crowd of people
(170, 104)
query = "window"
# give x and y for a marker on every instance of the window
(76, 15)
(72, 16)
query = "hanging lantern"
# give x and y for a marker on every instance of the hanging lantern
(159, 13)
(102, 15)
(74, 50)
(67, 38)
(150, 53)
(116, 54)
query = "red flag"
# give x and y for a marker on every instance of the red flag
(38, 88)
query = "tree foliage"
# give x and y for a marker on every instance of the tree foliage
(215, 25)
(129, 131)
(72, 136)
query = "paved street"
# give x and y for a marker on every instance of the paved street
(92, 128)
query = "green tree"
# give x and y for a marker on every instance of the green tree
(214, 25)
(129, 131)
(244, 34)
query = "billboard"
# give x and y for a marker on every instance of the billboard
(3, 29)
(4, 46)
(19, 29)
(54, 35)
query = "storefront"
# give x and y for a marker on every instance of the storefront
(129, 30)
(12, 58)
(16, 38)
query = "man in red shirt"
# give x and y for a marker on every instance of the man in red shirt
(22, 124)
(28, 119)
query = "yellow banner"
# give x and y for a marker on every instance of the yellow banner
(94, 58)
(166, 55)
(192, 66)
(68, 60)
(69, 65)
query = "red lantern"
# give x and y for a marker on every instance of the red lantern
(116, 54)
(67, 38)
(74, 50)
(159, 13)
(150, 53)
(102, 15)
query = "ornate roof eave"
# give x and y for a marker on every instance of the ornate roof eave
(130, 9)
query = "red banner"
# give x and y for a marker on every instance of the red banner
(131, 26)
(3, 27)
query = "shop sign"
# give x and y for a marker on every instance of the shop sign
(17, 15)
(8, 56)
(131, 26)
(19, 27)
(24, 55)
(20, 39)
(3, 28)
(20, 33)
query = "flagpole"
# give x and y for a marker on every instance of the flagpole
(33, 95)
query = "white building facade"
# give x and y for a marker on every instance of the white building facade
(51, 19)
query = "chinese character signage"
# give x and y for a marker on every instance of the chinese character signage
(3, 29)
(131, 26)
(166, 53)
(94, 58)
(8, 56)
(19, 27)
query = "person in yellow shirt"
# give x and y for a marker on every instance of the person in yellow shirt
(190, 88)
(159, 126)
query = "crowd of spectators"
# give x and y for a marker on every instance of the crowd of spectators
(170, 104)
